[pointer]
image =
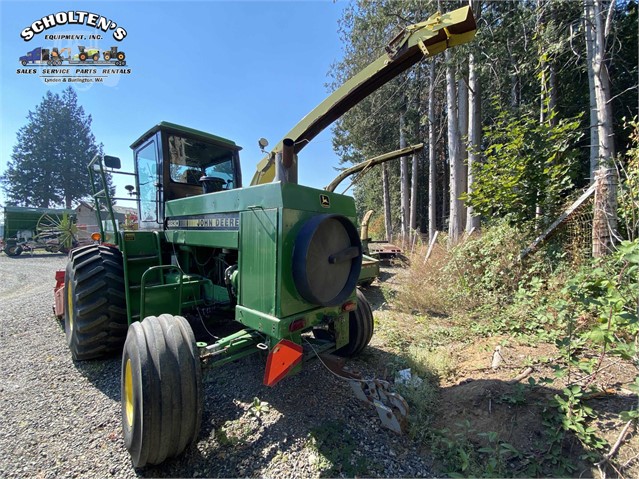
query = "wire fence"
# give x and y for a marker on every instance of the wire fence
(573, 236)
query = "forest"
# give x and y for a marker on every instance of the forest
(519, 221)
(520, 105)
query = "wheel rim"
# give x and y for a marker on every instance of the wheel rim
(56, 230)
(70, 306)
(128, 394)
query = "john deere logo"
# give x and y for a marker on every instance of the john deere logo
(325, 201)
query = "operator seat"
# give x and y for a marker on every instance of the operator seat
(211, 184)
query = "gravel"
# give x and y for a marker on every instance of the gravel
(62, 419)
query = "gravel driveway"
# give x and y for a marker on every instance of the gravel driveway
(62, 419)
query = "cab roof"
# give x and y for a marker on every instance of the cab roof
(167, 127)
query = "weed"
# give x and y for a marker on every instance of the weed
(258, 407)
(422, 400)
(430, 363)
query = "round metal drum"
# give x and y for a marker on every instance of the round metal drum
(327, 259)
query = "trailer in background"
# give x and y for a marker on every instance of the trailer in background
(28, 229)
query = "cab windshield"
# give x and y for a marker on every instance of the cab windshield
(191, 159)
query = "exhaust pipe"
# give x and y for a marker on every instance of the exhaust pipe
(286, 163)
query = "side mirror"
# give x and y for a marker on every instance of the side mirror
(112, 162)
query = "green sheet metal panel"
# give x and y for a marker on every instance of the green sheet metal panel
(140, 252)
(184, 130)
(211, 239)
(258, 260)
(319, 201)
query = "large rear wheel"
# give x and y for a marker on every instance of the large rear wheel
(360, 327)
(95, 319)
(161, 389)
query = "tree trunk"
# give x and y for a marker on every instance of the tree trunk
(553, 93)
(474, 122)
(606, 202)
(590, 55)
(403, 177)
(462, 113)
(454, 221)
(606, 149)
(387, 207)
(413, 193)
(432, 154)
(604, 221)
(515, 86)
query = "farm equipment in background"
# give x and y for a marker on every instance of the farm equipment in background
(29, 229)
(56, 57)
(113, 55)
(90, 54)
(36, 56)
(370, 264)
(218, 271)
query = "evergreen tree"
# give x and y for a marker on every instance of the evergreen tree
(48, 166)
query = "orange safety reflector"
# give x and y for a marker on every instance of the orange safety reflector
(350, 306)
(96, 237)
(282, 358)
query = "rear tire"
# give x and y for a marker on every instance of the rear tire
(95, 320)
(360, 328)
(161, 389)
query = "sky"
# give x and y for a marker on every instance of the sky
(237, 69)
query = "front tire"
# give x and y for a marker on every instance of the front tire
(95, 320)
(161, 389)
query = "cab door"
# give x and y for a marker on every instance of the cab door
(149, 184)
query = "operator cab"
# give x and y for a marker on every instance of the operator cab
(173, 161)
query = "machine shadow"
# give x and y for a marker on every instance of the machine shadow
(104, 374)
(300, 407)
(27, 255)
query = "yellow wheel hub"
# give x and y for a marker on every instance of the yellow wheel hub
(70, 306)
(128, 393)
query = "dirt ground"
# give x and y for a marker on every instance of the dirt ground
(482, 407)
